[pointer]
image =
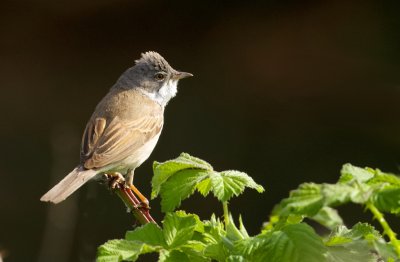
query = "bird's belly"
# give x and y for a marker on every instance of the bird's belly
(137, 157)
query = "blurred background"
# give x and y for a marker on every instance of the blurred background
(286, 91)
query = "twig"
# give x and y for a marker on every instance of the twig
(226, 212)
(140, 212)
(386, 228)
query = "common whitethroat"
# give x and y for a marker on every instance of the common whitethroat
(125, 126)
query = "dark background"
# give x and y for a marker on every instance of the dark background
(286, 91)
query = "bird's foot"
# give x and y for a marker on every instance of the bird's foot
(116, 180)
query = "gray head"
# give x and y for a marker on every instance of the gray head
(153, 76)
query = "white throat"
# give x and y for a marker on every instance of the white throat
(165, 93)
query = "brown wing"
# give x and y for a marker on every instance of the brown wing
(104, 144)
(93, 131)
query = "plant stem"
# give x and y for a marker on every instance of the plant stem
(140, 212)
(386, 228)
(226, 212)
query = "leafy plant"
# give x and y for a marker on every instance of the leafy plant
(285, 237)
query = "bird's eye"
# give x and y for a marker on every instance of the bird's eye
(159, 76)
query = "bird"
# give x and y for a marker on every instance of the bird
(125, 125)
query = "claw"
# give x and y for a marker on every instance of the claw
(115, 179)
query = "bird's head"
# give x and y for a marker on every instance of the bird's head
(153, 75)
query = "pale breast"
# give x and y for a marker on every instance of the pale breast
(141, 154)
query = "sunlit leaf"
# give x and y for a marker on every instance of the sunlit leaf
(162, 171)
(119, 249)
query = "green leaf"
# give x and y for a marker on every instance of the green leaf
(387, 200)
(384, 178)
(176, 256)
(233, 233)
(204, 187)
(178, 229)
(306, 200)
(195, 251)
(199, 224)
(213, 237)
(236, 258)
(149, 234)
(213, 229)
(183, 256)
(309, 198)
(242, 229)
(162, 171)
(177, 233)
(352, 252)
(177, 179)
(328, 217)
(229, 183)
(363, 230)
(339, 194)
(248, 246)
(216, 251)
(179, 187)
(118, 250)
(361, 243)
(293, 243)
(350, 173)
(341, 235)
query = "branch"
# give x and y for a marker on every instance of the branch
(140, 211)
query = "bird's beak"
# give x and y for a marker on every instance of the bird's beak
(180, 75)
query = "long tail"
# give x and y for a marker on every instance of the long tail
(68, 185)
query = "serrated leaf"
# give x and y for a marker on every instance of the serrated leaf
(176, 256)
(361, 243)
(387, 200)
(193, 246)
(353, 252)
(179, 187)
(248, 246)
(339, 194)
(149, 234)
(232, 232)
(293, 243)
(364, 230)
(213, 229)
(204, 187)
(351, 173)
(195, 251)
(385, 178)
(178, 229)
(213, 237)
(306, 200)
(242, 229)
(199, 224)
(216, 252)
(231, 183)
(328, 217)
(309, 198)
(119, 249)
(162, 171)
(342, 235)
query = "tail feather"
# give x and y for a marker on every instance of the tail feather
(68, 185)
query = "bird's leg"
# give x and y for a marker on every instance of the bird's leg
(129, 182)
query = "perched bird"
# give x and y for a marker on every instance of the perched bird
(125, 126)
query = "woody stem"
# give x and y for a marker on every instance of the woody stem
(140, 212)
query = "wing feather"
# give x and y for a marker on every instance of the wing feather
(104, 145)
